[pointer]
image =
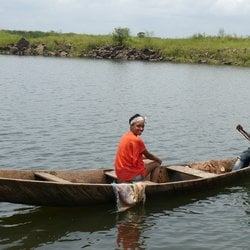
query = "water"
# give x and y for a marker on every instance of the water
(70, 113)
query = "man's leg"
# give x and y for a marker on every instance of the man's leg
(153, 170)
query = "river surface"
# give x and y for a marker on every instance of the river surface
(58, 113)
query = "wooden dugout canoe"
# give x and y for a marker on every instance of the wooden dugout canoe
(86, 187)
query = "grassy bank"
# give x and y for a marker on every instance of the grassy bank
(196, 49)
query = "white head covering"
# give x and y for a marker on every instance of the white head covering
(137, 119)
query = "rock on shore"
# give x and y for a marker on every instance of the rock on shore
(23, 47)
(124, 53)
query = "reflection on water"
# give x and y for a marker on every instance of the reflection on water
(30, 227)
(158, 223)
(130, 227)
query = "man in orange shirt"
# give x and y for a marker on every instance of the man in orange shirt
(130, 162)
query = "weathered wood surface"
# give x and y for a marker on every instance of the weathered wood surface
(111, 174)
(86, 187)
(50, 177)
(190, 171)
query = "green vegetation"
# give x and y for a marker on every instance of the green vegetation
(121, 35)
(220, 49)
(55, 41)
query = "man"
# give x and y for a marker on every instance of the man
(244, 159)
(130, 164)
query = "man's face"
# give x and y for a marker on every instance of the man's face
(138, 127)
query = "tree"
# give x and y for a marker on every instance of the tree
(120, 35)
(221, 33)
(141, 34)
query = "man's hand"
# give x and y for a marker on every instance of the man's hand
(239, 127)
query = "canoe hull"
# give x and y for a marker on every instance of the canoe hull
(198, 185)
(88, 187)
(54, 194)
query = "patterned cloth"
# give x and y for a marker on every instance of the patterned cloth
(129, 194)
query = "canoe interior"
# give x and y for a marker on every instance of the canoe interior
(74, 176)
(97, 176)
(203, 169)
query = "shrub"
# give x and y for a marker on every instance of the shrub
(121, 35)
(141, 34)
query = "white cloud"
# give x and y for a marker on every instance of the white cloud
(166, 18)
(231, 7)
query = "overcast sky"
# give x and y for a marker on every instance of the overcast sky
(161, 18)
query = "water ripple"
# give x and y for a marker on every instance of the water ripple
(73, 116)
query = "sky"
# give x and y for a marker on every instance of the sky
(159, 18)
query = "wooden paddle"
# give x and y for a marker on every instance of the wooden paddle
(243, 132)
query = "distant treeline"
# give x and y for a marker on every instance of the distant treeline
(199, 48)
(32, 34)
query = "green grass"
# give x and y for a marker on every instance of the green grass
(7, 38)
(54, 41)
(79, 43)
(196, 49)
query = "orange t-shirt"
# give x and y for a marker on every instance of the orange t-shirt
(128, 161)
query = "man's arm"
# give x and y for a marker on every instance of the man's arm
(152, 157)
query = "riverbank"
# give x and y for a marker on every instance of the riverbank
(118, 52)
(218, 50)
